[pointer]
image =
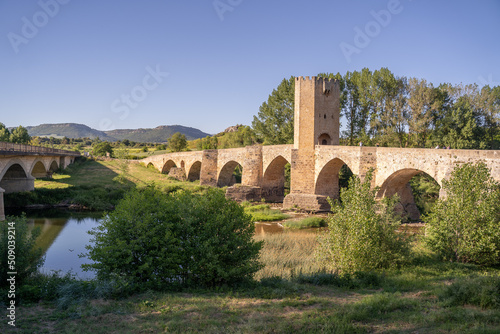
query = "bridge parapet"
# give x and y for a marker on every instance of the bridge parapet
(22, 149)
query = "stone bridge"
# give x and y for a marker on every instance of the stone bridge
(21, 164)
(263, 170)
(316, 158)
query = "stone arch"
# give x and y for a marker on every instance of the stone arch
(398, 183)
(167, 166)
(53, 166)
(327, 182)
(183, 164)
(149, 165)
(324, 139)
(225, 177)
(14, 177)
(273, 181)
(194, 171)
(38, 170)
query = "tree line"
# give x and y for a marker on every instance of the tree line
(18, 135)
(381, 108)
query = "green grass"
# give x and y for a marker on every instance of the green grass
(96, 185)
(292, 295)
(309, 222)
(263, 212)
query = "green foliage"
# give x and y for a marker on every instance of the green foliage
(263, 212)
(361, 232)
(245, 136)
(4, 133)
(156, 241)
(482, 291)
(20, 135)
(177, 142)
(309, 222)
(274, 122)
(101, 148)
(18, 249)
(161, 147)
(425, 191)
(464, 226)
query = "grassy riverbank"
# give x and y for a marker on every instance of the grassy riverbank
(95, 185)
(292, 295)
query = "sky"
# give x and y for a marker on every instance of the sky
(210, 64)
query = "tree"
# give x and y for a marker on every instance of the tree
(20, 135)
(101, 148)
(154, 240)
(362, 231)
(4, 133)
(274, 122)
(177, 142)
(463, 226)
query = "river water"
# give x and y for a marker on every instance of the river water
(64, 236)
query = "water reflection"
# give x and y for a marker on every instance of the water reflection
(62, 240)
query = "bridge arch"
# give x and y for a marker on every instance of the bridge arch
(327, 181)
(225, 177)
(194, 171)
(398, 183)
(38, 169)
(15, 177)
(53, 166)
(273, 180)
(168, 166)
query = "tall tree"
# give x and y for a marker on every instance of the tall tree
(4, 133)
(420, 103)
(20, 135)
(274, 122)
(177, 142)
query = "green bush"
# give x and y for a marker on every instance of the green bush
(464, 226)
(309, 222)
(361, 232)
(263, 212)
(156, 241)
(18, 252)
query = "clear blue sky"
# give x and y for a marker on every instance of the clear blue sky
(78, 61)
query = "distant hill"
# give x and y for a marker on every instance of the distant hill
(159, 134)
(70, 130)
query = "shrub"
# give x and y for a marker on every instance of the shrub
(463, 226)
(309, 222)
(480, 291)
(156, 241)
(263, 212)
(361, 232)
(20, 248)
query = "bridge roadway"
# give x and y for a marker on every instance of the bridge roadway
(21, 164)
(315, 173)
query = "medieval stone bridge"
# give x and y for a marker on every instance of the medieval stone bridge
(316, 159)
(21, 164)
(263, 170)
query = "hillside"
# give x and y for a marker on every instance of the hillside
(159, 134)
(70, 130)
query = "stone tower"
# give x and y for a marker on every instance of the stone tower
(316, 122)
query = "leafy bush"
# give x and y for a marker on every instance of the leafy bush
(362, 233)
(309, 222)
(17, 244)
(155, 241)
(263, 212)
(464, 226)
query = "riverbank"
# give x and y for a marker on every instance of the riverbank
(94, 185)
(291, 295)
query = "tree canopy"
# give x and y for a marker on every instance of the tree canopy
(177, 142)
